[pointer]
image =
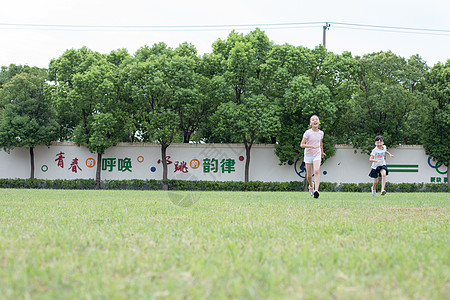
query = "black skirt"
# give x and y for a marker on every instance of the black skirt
(375, 173)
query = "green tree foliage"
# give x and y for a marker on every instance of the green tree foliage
(256, 116)
(246, 115)
(62, 71)
(301, 100)
(436, 129)
(218, 91)
(304, 82)
(28, 118)
(8, 72)
(247, 90)
(189, 90)
(385, 99)
(152, 93)
(86, 81)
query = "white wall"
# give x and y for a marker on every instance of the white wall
(345, 167)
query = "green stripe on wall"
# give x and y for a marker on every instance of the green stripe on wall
(393, 168)
(402, 166)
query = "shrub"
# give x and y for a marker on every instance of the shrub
(178, 185)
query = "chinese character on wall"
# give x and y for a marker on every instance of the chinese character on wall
(212, 165)
(168, 161)
(60, 159)
(227, 165)
(74, 165)
(181, 166)
(438, 180)
(122, 164)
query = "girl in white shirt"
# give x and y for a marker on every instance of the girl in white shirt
(313, 143)
(379, 169)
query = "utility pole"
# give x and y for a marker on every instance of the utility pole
(325, 28)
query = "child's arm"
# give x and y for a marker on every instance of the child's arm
(321, 148)
(372, 159)
(305, 145)
(390, 155)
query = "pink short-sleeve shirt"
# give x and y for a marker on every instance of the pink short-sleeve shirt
(313, 138)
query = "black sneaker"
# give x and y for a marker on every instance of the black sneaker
(316, 194)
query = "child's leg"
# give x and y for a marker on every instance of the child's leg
(374, 186)
(383, 179)
(316, 164)
(309, 174)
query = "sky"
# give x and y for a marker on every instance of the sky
(50, 27)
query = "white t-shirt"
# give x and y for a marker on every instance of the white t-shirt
(313, 138)
(379, 154)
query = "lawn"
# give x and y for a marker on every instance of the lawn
(74, 244)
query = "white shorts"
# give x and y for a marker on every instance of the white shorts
(310, 159)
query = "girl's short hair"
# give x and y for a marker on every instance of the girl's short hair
(379, 138)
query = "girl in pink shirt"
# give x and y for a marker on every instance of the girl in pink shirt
(313, 143)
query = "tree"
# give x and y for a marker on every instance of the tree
(336, 74)
(300, 101)
(28, 119)
(415, 73)
(255, 117)
(64, 99)
(161, 125)
(150, 89)
(190, 89)
(125, 110)
(86, 82)
(99, 126)
(8, 72)
(217, 91)
(384, 100)
(304, 82)
(102, 131)
(247, 115)
(436, 129)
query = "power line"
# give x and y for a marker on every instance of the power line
(393, 27)
(393, 31)
(152, 27)
(221, 27)
(178, 29)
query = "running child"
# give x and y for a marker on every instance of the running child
(379, 169)
(313, 143)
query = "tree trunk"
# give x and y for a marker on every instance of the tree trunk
(164, 146)
(248, 148)
(32, 162)
(187, 137)
(99, 171)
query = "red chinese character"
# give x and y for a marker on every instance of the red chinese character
(74, 165)
(60, 159)
(168, 161)
(181, 166)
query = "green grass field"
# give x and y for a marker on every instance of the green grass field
(66, 244)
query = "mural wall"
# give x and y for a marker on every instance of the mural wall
(212, 162)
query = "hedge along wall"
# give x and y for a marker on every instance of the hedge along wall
(212, 162)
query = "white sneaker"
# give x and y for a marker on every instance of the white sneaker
(374, 192)
(311, 190)
(383, 192)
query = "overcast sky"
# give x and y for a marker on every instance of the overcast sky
(37, 45)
